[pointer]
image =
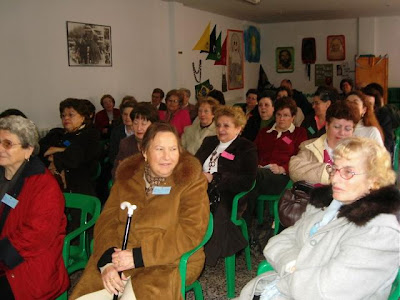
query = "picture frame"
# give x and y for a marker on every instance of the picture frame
(89, 45)
(308, 50)
(336, 47)
(284, 59)
(235, 62)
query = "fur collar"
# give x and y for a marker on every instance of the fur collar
(187, 170)
(383, 201)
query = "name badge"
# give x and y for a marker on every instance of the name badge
(228, 155)
(9, 200)
(311, 130)
(161, 190)
(287, 140)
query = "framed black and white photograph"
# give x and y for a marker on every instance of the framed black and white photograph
(89, 45)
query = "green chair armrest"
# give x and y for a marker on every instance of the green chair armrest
(235, 202)
(263, 267)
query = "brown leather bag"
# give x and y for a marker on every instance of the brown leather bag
(293, 202)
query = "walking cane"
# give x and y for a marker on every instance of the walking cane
(131, 208)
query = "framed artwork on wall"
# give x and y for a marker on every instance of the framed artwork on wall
(336, 47)
(88, 45)
(284, 59)
(235, 54)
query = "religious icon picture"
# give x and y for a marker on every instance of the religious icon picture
(235, 53)
(284, 59)
(336, 47)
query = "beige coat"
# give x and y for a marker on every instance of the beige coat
(193, 136)
(163, 228)
(309, 164)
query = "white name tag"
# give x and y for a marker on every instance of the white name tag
(9, 200)
(161, 190)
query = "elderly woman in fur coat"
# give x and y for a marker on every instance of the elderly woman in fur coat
(346, 245)
(171, 218)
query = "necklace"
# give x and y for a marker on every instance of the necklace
(197, 72)
(213, 159)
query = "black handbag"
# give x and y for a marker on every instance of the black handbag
(293, 203)
(213, 195)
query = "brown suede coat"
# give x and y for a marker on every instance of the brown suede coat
(164, 226)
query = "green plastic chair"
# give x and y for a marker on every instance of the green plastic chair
(273, 201)
(265, 266)
(195, 286)
(396, 150)
(76, 256)
(230, 261)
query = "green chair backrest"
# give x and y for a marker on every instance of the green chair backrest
(396, 150)
(89, 207)
(185, 257)
(235, 202)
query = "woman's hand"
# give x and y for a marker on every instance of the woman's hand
(111, 280)
(208, 176)
(276, 169)
(53, 150)
(122, 260)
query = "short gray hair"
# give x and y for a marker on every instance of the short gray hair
(24, 129)
(186, 91)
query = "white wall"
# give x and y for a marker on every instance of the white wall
(387, 31)
(291, 35)
(146, 37)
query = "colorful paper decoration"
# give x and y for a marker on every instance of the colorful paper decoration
(252, 44)
(204, 41)
(222, 60)
(215, 51)
(203, 89)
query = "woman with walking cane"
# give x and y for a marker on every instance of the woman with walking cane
(170, 192)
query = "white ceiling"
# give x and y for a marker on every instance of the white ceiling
(274, 11)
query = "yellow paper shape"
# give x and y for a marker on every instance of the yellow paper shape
(204, 41)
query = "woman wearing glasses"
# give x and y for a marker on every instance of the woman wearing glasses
(71, 152)
(310, 163)
(177, 117)
(346, 244)
(32, 220)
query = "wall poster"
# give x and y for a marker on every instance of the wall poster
(235, 47)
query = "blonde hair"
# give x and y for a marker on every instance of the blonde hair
(235, 112)
(210, 101)
(377, 159)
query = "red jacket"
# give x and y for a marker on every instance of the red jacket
(101, 119)
(274, 150)
(31, 241)
(180, 120)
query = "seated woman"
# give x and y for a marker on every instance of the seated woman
(174, 115)
(170, 192)
(142, 116)
(315, 154)
(194, 134)
(346, 244)
(71, 153)
(230, 165)
(261, 118)
(368, 126)
(275, 146)
(315, 123)
(374, 97)
(122, 130)
(32, 220)
(106, 119)
(283, 92)
(251, 102)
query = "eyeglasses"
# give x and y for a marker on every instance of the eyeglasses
(71, 116)
(344, 172)
(7, 144)
(173, 101)
(282, 116)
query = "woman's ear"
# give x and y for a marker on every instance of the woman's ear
(144, 155)
(28, 152)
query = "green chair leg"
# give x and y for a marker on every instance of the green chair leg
(260, 212)
(230, 270)
(245, 233)
(63, 296)
(198, 292)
